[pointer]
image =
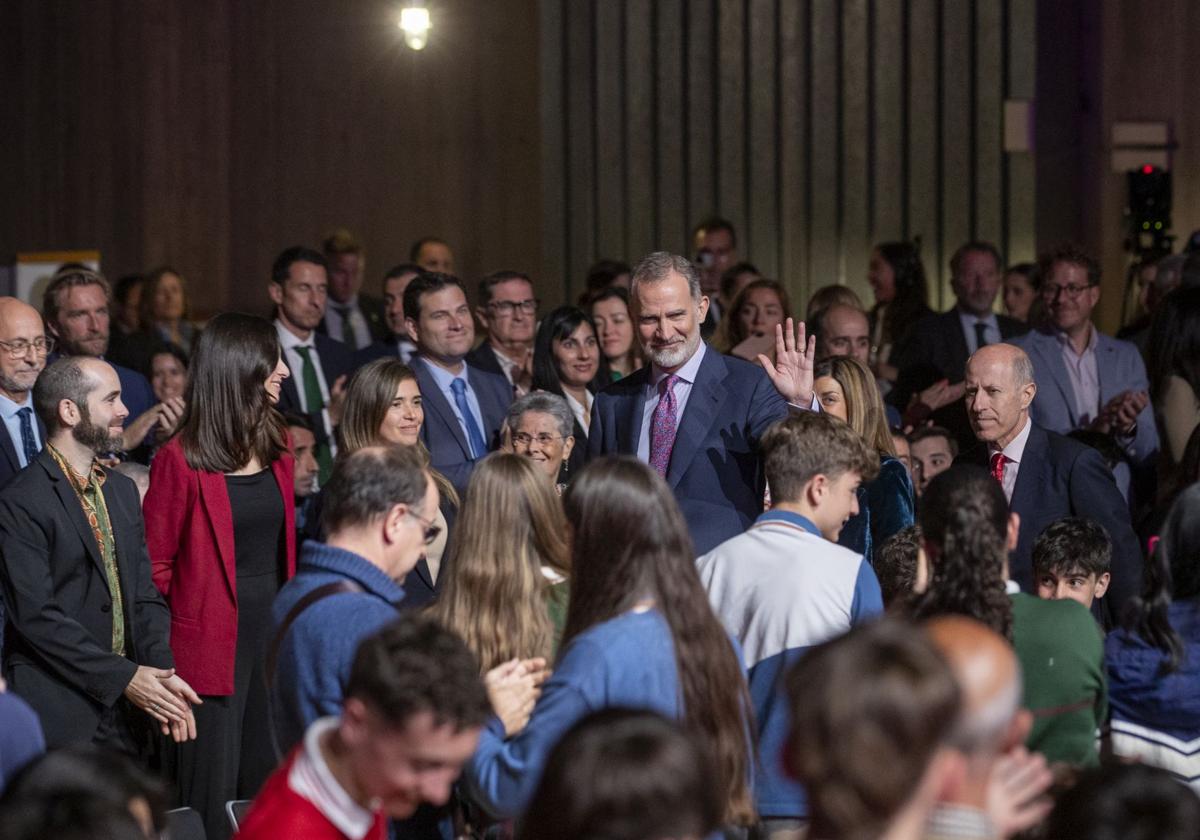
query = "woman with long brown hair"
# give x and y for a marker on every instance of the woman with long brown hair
(505, 578)
(383, 407)
(749, 327)
(220, 528)
(846, 389)
(640, 634)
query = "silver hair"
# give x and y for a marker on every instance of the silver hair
(1022, 365)
(543, 402)
(982, 731)
(658, 265)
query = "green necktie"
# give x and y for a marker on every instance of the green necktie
(314, 403)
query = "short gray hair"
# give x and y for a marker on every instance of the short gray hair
(543, 402)
(1022, 369)
(659, 265)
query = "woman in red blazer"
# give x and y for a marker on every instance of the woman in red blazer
(220, 526)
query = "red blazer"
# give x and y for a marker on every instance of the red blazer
(189, 532)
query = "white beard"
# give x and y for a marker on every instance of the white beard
(675, 356)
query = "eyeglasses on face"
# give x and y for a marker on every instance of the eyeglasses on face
(508, 307)
(431, 530)
(1051, 291)
(524, 439)
(20, 348)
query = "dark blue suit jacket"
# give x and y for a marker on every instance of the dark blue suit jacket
(715, 468)
(10, 463)
(1061, 477)
(443, 435)
(336, 360)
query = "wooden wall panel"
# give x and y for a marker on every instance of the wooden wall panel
(818, 127)
(212, 135)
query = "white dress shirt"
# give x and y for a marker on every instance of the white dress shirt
(295, 362)
(358, 322)
(583, 413)
(1012, 458)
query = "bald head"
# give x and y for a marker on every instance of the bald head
(21, 360)
(989, 678)
(999, 390)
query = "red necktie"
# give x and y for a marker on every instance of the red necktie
(998, 460)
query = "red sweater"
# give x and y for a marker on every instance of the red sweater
(279, 812)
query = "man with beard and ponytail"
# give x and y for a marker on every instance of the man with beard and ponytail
(88, 633)
(694, 415)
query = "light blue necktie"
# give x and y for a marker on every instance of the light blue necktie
(474, 435)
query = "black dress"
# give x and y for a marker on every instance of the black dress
(233, 753)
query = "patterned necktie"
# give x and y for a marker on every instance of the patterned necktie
(28, 443)
(998, 461)
(980, 334)
(663, 426)
(314, 403)
(474, 435)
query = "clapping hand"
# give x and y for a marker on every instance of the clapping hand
(514, 687)
(792, 371)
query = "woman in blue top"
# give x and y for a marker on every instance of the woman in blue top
(1153, 662)
(846, 389)
(640, 634)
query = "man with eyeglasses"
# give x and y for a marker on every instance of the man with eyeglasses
(507, 312)
(379, 506)
(23, 349)
(1087, 379)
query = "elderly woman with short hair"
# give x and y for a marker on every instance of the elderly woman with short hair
(540, 428)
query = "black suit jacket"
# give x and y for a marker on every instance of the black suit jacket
(934, 349)
(372, 311)
(484, 358)
(1061, 477)
(59, 625)
(10, 464)
(336, 360)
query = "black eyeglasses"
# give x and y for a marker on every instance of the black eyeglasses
(431, 530)
(508, 307)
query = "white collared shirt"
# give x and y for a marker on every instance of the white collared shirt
(358, 322)
(311, 779)
(583, 413)
(1012, 458)
(295, 362)
(683, 389)
(991, 331)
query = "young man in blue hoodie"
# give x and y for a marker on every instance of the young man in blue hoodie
(785, 585)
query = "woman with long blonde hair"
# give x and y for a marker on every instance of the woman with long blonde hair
(847, 390)
(505, 574)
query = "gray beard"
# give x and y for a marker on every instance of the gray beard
(675, 358)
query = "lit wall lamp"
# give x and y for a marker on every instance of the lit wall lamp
(415, 23)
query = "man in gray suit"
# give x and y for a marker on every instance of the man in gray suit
(1085, 379)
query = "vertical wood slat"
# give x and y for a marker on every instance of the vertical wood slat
(887, 129)
(731, 111)
(1020, 192)
(580, 158)
(793, 146)
(762, 219)
(924, 194)
(669, 111)
(610, 186)
(641, 232)
(989, 115)
(825, 155)
(701, 109)
(957, 139)
(855, 220)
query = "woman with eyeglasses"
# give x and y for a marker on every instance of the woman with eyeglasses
(541, 429)
(220, 529)
(383, 406)
(567, 361)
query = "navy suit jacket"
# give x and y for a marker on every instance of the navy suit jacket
(715, 468)
(483, 358)
(372, 312)
(934, 349)
(1120, 368)
(10, 463)
(449, 453)
(336, 360)
(1061, 477)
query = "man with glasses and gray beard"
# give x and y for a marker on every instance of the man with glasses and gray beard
(694, 415)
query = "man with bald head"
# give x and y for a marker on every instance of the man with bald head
(23, 348)
(990, 722)
(1045, 476)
